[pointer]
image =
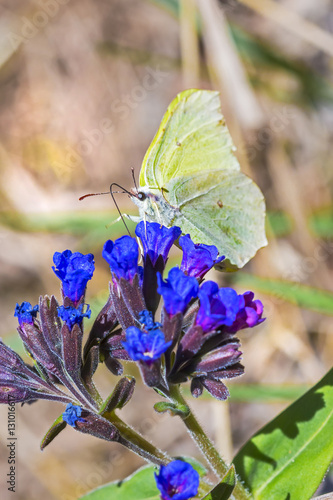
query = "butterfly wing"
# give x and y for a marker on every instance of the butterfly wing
(191, 162)
(192, 137)
(227, 211)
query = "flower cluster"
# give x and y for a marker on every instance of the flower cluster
(194, 340)
(196, 337)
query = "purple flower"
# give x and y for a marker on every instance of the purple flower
(198, 259)
(218, 307)
(177, 480)
(145, 346)
(156, 239)
(72, 414)
(74, 271)
(249, 314)
(177, 291)
(26, 313)
(122, 256)
(72, 315)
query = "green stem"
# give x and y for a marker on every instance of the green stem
(219, 466)
(137, 443)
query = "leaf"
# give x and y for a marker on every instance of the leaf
(139, 486)
(287, 459)
(55, 429)
(172, 408)
(224, 489)
(303, 296)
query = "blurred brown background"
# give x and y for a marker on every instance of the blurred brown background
(83, 87)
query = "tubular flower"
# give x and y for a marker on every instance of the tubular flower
(177, 481)
(198, 259)
(218, 306)
(177, 291)
(122, 257)
(156, 240)
(74, 270)
(145, 346)
(249, 314)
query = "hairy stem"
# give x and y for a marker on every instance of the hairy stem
(137, 443)
(219, 466)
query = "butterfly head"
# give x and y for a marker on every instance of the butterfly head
(153, 206)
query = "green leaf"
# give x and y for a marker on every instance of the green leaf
(55, 429)
(172, 408)
(140, 485)
(287, 459)
(303, 296)
(225, 488)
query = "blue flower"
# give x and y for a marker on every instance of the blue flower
(147, 321)
(26, 313)
(156, 239)
(218, 306)
(249, 313)
(74, 271)
(198, 259)
(177, 291)
(72, 315)
(145, 346)
(122, 256)
(72, 414)
(177, 480)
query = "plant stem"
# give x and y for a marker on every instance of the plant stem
(137, 443)
(207, 448)
(146, 450)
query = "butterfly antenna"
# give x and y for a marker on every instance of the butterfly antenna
(114, 201)
(92, 194)
(133, 177)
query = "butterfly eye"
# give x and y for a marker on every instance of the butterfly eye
(141, 196)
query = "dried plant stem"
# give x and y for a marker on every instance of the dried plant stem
(294, 23)
(189, 43)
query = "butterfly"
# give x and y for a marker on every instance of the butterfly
(191, 178)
